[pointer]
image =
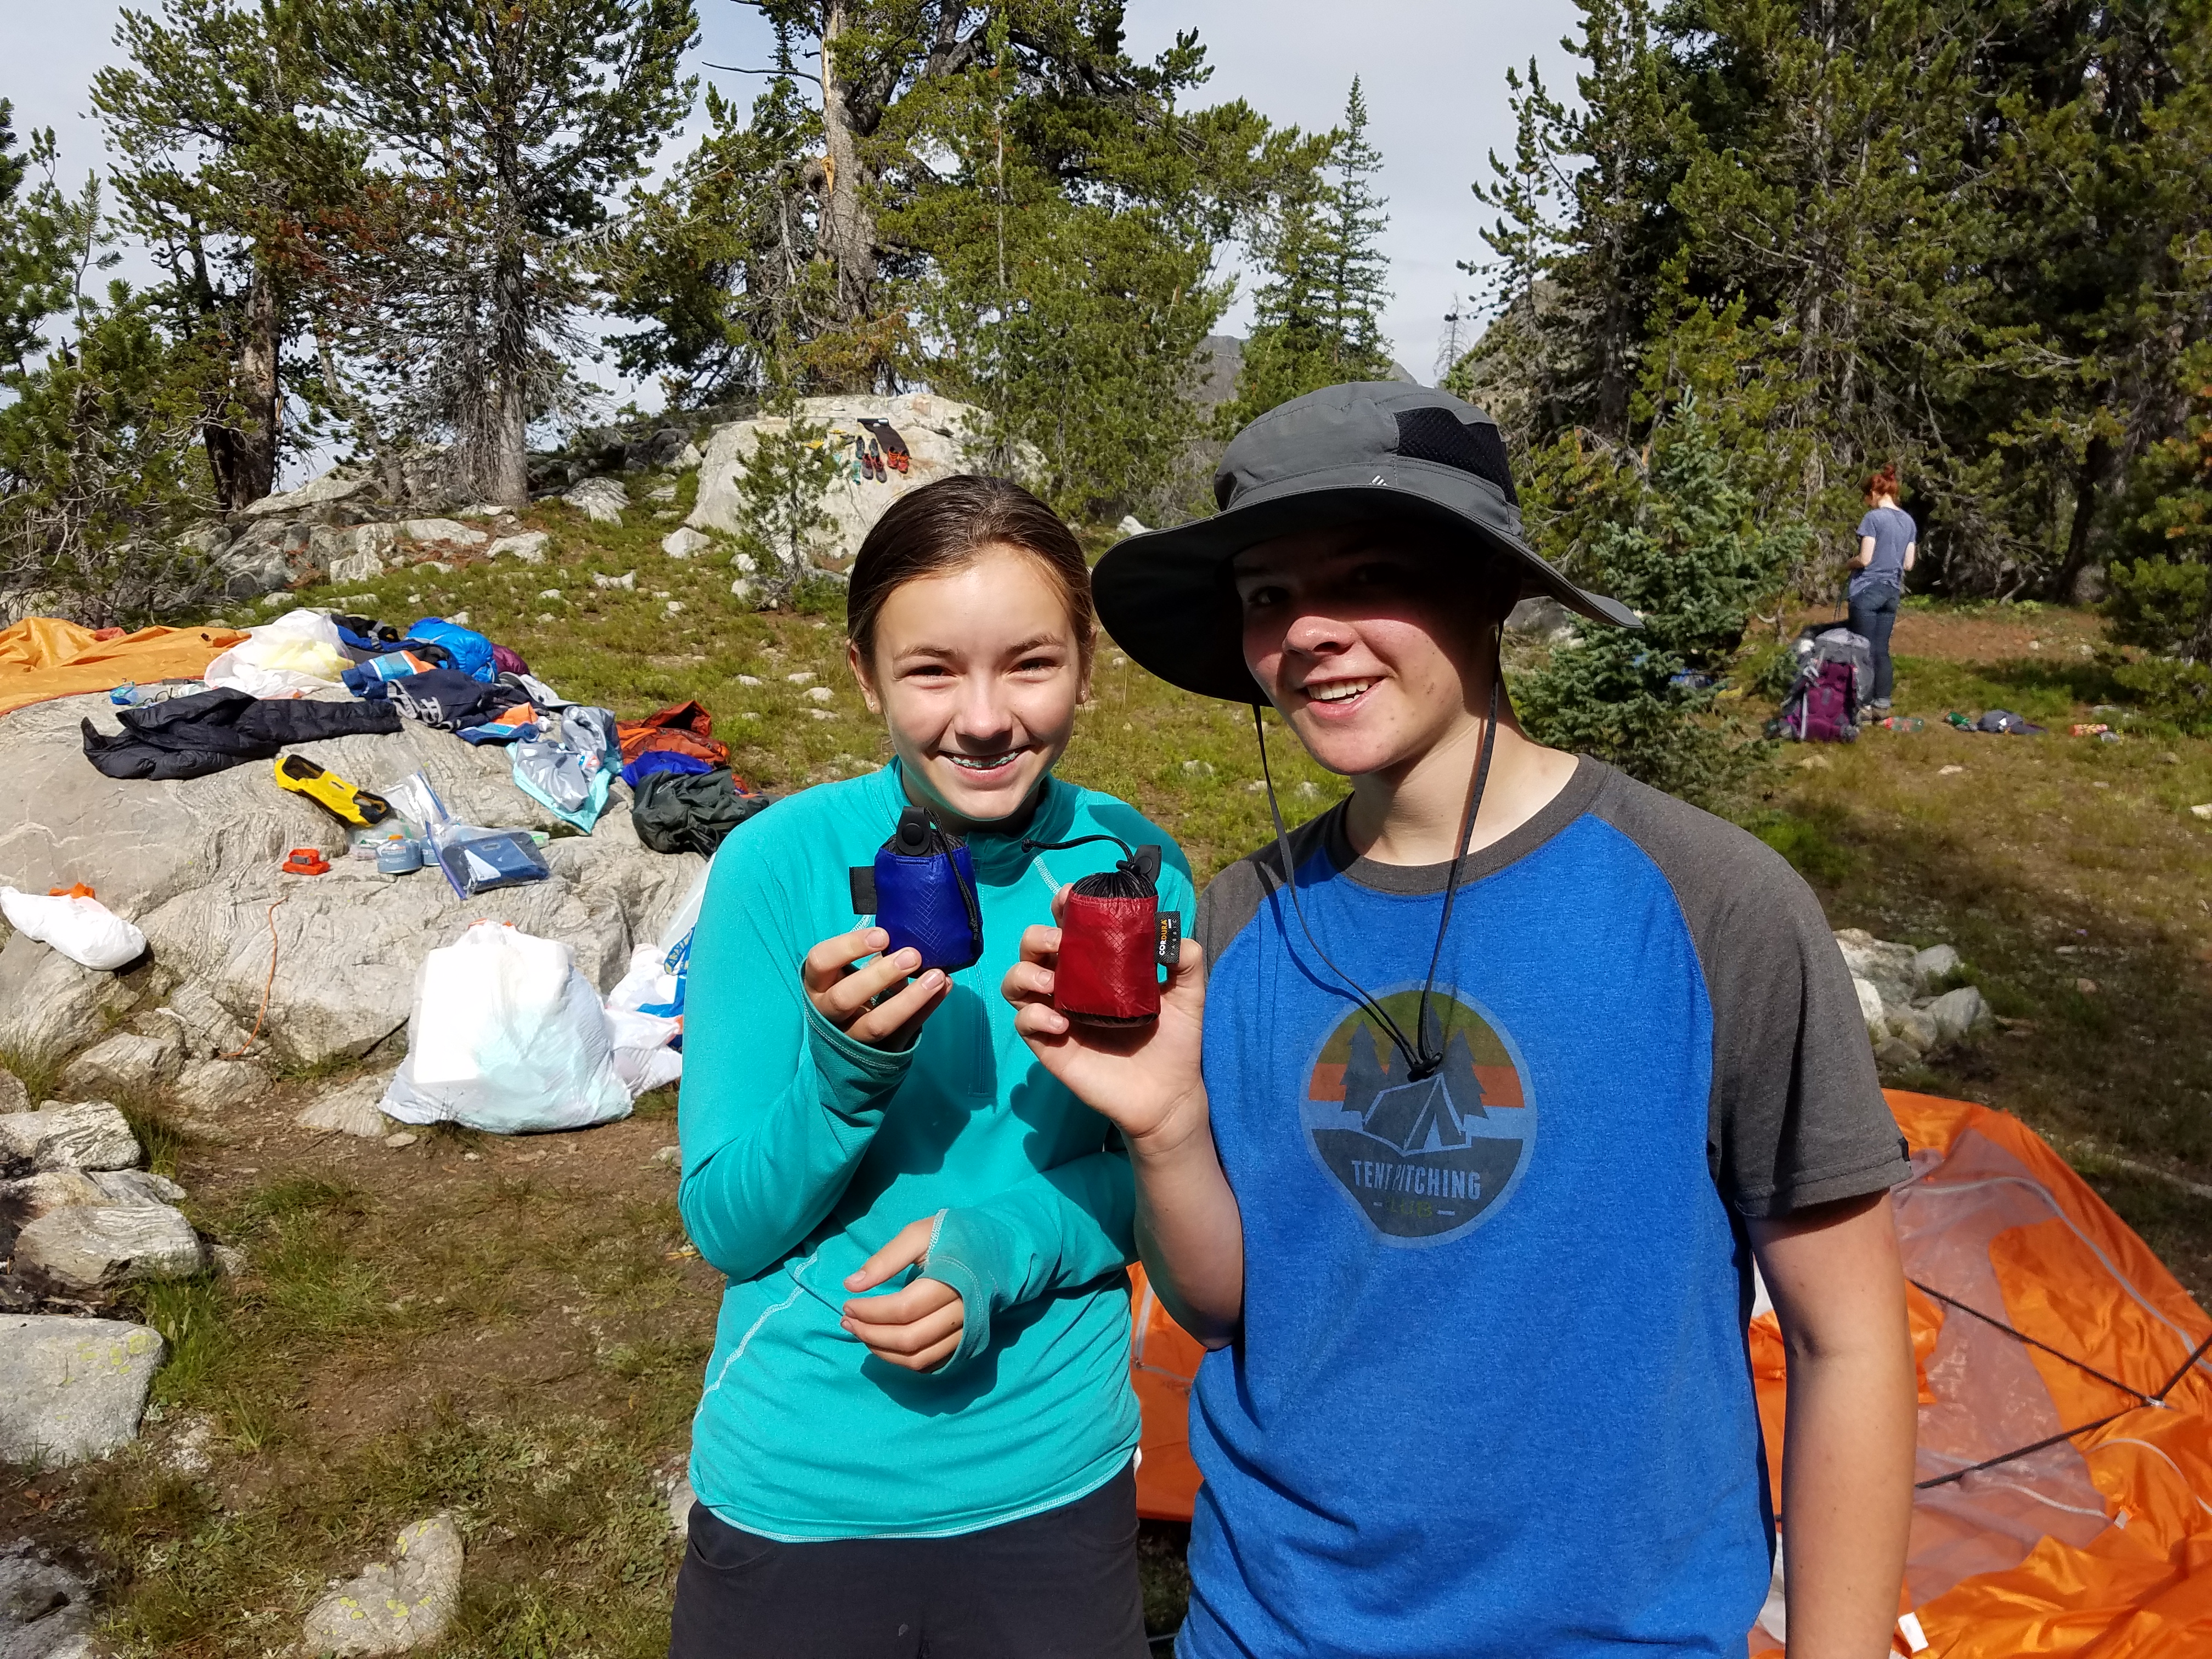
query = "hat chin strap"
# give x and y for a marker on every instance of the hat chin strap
(1422, 1060)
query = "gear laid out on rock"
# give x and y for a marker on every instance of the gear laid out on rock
(331, 792)
(895, 453)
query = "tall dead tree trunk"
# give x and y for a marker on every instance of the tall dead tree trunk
(255, 452)
(848, 225)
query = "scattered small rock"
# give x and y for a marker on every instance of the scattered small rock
(2203, 812)
(683, 542)
(549, 592)
(600, 500)
(92, 1135)
(681, 1497)
(227, 1260)
(670, 1157)
(529, 547)
(14, 1097)
(188, 1449)
(749, 679)
(2087, 987)
(800, 679)
(821, 694)
(1198, 769)
(674, 607)
(1949, 771)
(391, 1609)
(1937, 961)
(441, 529)
(824, 714)
(72, 1388)
(1956, 1013)
(399, 1137)
(627, 580)
(88, 1249)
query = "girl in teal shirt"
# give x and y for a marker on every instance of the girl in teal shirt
(916, 1434)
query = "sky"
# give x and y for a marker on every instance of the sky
(1433, 72)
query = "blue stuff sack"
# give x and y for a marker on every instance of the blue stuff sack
(921, 892)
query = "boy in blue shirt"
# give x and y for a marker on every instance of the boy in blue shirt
(1463, 1173)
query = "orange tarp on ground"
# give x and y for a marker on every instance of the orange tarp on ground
(2097, 1546)
(44, 657)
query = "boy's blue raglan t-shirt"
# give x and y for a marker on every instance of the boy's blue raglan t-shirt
(1491, 1394)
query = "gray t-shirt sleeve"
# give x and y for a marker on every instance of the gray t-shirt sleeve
(1797, 1116)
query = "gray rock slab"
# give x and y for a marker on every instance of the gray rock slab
(124, 1063)
(684, 541)
(14, 1097)
(194, 864)
(72, 1390)
(600, 500)
(49, 1004)
(937, 431)
(88, 1135)
(397, 1605)
(46, 1610)
(208, 1027)
(350, 1109)
(137, 1186)
(87, 1249)
(216, 1085)
(331, 487)
(529, 547)
(29, 1197)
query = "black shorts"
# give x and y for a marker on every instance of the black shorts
(1059, 1585)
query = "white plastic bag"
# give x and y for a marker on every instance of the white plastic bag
(84, 930)
(507, 1036)
(296, 654)
(642, 1055)
(643, 1058)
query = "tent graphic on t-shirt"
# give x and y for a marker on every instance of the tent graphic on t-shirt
(1414, 1117)
(1421, 1158)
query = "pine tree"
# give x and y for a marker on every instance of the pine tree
(1317, 318)
(221, 167)
(1680, 539)
(1358, 270)
(511, 120)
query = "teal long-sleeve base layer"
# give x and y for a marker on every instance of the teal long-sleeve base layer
(804, 1152)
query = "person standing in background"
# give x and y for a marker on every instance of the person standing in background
(1888, 543)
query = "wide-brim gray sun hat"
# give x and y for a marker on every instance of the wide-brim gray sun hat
(1366, 450)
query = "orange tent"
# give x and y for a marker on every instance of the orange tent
(2065, 1502)
(44, 657)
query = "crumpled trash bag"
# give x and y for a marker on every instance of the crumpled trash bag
(83, 929)
(292, 657)
(506, 1036)
(571, 765)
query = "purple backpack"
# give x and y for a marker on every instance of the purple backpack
(1823, 704)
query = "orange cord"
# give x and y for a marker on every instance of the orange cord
(268, 985)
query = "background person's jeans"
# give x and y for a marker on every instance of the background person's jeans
(1873, 613)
